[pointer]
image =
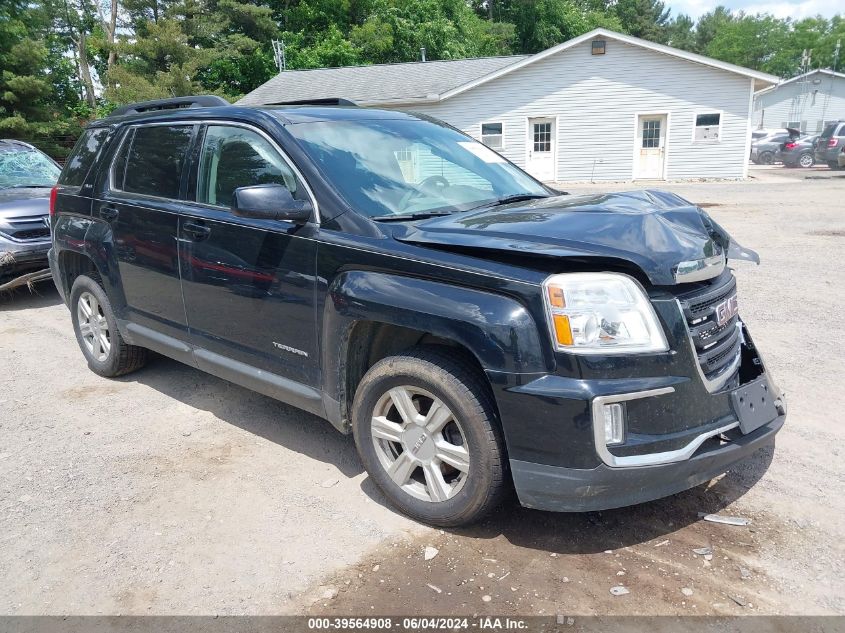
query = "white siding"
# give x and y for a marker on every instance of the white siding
(596, 98)
(810, 104)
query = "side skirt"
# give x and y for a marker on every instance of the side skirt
(288, 391)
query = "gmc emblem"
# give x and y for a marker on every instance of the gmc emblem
(727, 310)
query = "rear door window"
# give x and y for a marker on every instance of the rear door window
(152, 160)
(828, 131)
(82, 157)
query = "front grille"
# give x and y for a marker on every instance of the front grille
(717, 346)
(27, 228)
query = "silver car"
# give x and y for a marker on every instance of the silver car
(764, 151)
(26, 177)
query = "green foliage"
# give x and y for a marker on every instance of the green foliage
(647, 19)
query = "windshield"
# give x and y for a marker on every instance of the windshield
(393, 167)
(21, 167)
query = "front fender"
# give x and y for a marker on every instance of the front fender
(498, 330)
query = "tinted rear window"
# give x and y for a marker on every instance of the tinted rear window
(156, 156)
(828, 131)
(83, 156)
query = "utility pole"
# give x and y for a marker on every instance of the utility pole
(279, 54)
(832, 77)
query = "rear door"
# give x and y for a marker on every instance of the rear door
(248, 284)
(142, 202)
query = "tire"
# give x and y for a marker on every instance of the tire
(473, 479)
(87, 296)
(833, 164)
(766, 158)
(806, 161)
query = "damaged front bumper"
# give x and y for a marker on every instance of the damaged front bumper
(580, 490)
(689, 414)
(18, 258)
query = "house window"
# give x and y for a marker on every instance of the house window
(707, 126)
(491, 135)
(795, 125)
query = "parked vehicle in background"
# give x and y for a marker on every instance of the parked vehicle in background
(472, 328)
(756, 135)
(26, 176)
(831, 142)
(764, 151)
(797, 152)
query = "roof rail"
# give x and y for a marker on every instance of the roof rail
(198, 101)
(328, 101)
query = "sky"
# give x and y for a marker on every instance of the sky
(796, 9)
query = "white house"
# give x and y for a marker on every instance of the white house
(806, 102)
(602, 106)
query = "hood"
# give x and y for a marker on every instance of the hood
(668, 238)
(16, 203)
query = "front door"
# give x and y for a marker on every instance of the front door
(651, 146)
(541, 149)
(248, 283)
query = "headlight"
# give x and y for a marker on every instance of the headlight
(601, 313)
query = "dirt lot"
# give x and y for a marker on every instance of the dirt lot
(170, 491)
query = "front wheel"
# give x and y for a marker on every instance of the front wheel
(766, 158)
(426, 432)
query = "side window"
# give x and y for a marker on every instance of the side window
(151, 160)
(83, 156)
(235, 157)
(491, 135)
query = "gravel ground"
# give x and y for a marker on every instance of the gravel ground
(173, 492)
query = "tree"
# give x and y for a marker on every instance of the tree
(647, 19)
(680, 33)
(751, 41)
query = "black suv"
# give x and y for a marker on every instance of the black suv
(471, 327)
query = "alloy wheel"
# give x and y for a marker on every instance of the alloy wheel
(806, 161)
(420, 444)
(93, 327)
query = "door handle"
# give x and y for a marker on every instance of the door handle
(197, 231)
(108, 213)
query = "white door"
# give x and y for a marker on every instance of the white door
(541, 149)
(651, 146)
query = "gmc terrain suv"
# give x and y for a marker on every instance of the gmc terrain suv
(473, 329)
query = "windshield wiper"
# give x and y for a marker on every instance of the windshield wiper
(517, 197)
(422, 215)
(30, 186)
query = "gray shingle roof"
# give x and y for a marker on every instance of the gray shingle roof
(376, 84)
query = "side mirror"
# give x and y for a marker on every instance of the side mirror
(270, 202)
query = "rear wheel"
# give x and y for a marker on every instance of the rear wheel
(426, 432)
(96, 331)
(833, 164)
(806, 160)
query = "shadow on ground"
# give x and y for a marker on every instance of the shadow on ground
(594, 532)
(565, 533)
(41, 295)
(275, 421)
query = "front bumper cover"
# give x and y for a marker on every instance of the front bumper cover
(561, 489)
(17, 258)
